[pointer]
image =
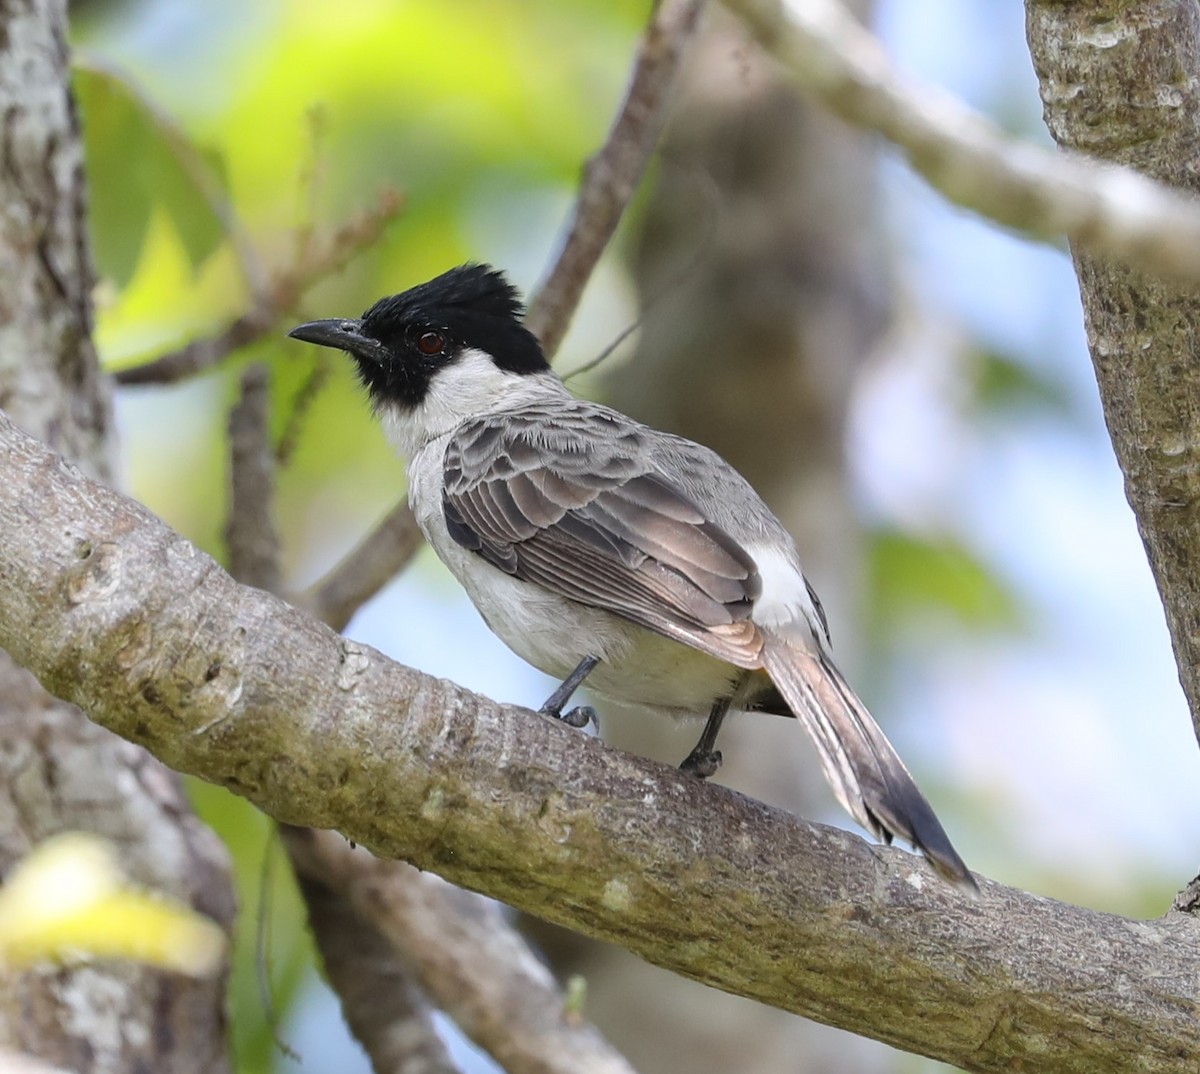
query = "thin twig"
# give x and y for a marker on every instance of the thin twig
(385, 1008)
(468, 959)
(377, 559)
(301, 405)
(673, 283)
(961, 153)
(250, 530)
(312, 174)
(611, 176)
(200, 354)
(280, 298)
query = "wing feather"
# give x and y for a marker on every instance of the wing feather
(569, 499)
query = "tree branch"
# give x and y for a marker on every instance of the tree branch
(384, 1007)
(128, 620)
(277, 299)
(1138, 103)
(611, 176)
(250, 530)
(474, 966)
(1110, 210)
(373, 562)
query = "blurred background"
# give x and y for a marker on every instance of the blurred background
(906, 384)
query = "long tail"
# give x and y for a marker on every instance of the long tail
(860, 764)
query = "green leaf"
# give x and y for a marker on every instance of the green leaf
(1000, 383)
(187, 188)
(117, 138)
(137, 159)
(914, 577)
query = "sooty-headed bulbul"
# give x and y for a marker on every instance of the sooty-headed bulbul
(599, 548)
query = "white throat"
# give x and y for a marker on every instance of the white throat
(466, 388)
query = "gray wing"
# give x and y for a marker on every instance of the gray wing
(569, 500)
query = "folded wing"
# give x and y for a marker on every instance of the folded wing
(572, 502)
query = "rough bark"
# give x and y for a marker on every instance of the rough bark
(49, 379)
(105, 604)
(58, 770)
(1119, 81)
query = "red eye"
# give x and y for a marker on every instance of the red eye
(431, 343)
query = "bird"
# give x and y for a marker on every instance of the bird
(601, 549)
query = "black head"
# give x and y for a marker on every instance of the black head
(403, 341)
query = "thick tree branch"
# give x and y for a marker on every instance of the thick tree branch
(611, 176)
(125, 618)
(968, 158)
(1119, 81)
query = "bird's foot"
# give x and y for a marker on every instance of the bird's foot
(582, 715)
(579, 717)
(701, 763)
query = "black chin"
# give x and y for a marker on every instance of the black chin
(399, 384)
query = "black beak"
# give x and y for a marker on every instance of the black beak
(344, 335)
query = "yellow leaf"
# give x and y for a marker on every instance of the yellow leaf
(69, 900)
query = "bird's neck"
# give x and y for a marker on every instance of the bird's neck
(472, 388)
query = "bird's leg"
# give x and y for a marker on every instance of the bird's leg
(703, 761)
(581, 715)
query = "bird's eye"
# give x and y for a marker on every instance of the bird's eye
(431, 342)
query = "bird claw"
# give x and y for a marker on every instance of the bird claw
(701, 763)
(579, 717)
(582, 716)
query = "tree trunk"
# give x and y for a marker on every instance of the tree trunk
(59, 771)
(1119, 81)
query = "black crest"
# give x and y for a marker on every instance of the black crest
(404, 341)
(474, 305)
(474, 288)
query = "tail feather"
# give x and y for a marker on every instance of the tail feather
(865, 772)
